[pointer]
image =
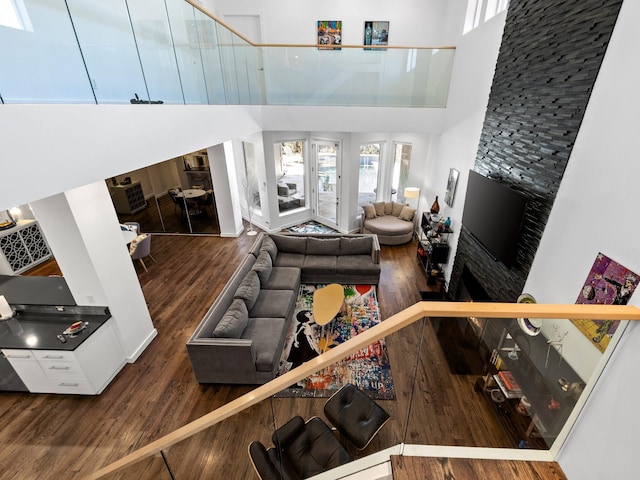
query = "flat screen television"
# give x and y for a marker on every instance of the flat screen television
(493, 214)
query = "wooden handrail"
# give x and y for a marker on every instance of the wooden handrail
(204, 11)
(364, 339)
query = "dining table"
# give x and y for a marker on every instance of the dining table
(191, 193)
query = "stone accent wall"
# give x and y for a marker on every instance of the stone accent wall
(549, 59)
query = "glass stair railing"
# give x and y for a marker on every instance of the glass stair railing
(173, 52)
(429, 399)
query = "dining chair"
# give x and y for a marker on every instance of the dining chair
(141, 248)
(178, 203)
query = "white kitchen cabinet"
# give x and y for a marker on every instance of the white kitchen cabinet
(86, 370)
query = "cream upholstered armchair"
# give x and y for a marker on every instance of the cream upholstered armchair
(140, 248)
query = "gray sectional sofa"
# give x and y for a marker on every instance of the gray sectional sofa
(241, 337)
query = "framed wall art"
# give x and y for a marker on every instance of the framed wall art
(329, 34)
(376, 33)
(608, 283)
(452, 182)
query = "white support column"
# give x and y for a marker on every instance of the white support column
(83, 232)
(225, 188)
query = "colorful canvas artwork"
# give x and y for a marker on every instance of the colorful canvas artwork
(329, 34)
(608, 283)
(376, 33)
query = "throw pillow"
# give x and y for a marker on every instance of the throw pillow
(269, 245)
(379, 206)
(263, 266)
(356, 245)
(249, 289)
(323, 246)
(234, 321)
(369, 211)
(388, 208)
(290, 243)
(407, 214)
(397, 208)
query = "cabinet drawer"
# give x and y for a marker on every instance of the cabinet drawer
(12, 354)
(75, 385)
(54, 355)
(62, 369)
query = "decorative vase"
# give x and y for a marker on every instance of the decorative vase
(435, 207)
(447, 224)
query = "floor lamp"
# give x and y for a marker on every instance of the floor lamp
(414, 192)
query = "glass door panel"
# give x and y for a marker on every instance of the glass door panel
(368, 173)
(327, 175)
(400, 174)
(290, 170)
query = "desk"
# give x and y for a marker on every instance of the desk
(327, 303)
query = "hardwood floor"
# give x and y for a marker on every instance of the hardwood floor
(419, 468)
(58, 436)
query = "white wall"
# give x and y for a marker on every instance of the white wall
(286, 21)
(472, 76)
(595, 212)
(47, 149)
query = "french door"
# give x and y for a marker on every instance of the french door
(326, 181)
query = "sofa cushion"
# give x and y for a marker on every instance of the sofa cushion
(320, 264)
(274, 304)
(267, 335)
(356, 245)
(283, 278)
(269, 245)
(249, 289)
(379, 206)
(289, 260)
(323, 246)
(369, 211)
(263, 266)
(234, 321)
(388, 208)
(389, 225)
(290, 243)
(397, 208)
(357, 264)
(407, 213)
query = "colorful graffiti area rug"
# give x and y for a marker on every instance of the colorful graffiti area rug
(311, 227)
(368, 369)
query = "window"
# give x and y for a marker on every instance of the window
(289, 157)
(13, 14)
(475, 9)
(368, 172)
(400, 174)
(494, 7)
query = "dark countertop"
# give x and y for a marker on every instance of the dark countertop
(35, 290)
(38, 327)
